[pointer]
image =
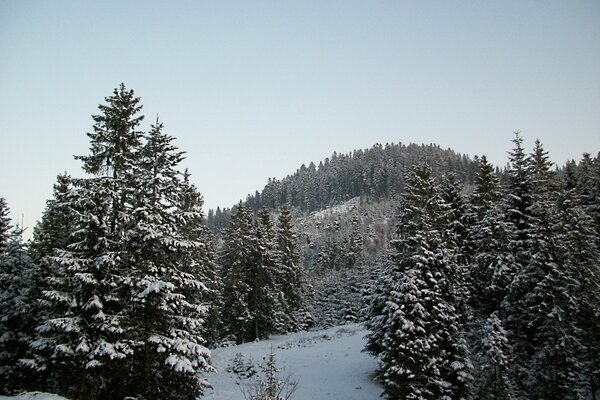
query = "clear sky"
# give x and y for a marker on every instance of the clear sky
(253, 89)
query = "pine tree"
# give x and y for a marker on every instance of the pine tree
(16, 322)
(124, 299)
(293, 280)
(52, 232)
(164, 315)
(267, 297)
(201, 259)
(5, 225)
(493, 380)
(85, 291)
(492, 263)
(115, 139)
(82, 331)
(238, 260)
(355, 244)
(424, 354)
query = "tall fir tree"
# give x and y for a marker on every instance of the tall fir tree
(424, 352)
(293, 283)
(238, 265)
(53, 230)
(124, 297)
(16, 320)
(201, 259)
(5, 225)
(164, 315)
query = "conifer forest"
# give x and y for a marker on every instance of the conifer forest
(474, 281)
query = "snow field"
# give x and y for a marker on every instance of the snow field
(328, 364)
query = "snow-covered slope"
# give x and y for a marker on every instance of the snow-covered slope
(327, 364)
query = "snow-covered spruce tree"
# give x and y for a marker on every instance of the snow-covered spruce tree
(563, 304)
(456, 216)
(202, 258)
(5, 225)
(16, 322)
(81, 341)
(83, 331)
(293, 283)
(491, 269)
(535, 253)
(267, 297)
(493, 382)
(376, 302)
(491, 265)
(588, 188)
(355, 244)
(50, 235)
(237, 259)
(424, 353)
(164, 316)
(52, 231)
(580, 261)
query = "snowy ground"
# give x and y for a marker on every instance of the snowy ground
(328, 365)
(33, 396)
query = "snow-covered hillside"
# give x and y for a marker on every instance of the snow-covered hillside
(327, 364)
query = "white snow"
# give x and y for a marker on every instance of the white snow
(342, 208)
(33, 396)
(327, 364)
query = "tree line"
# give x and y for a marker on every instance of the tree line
(494, 295)
(120, 292)
(372, 174)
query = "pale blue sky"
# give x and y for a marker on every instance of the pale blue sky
(254, 89)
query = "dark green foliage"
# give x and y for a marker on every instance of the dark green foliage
(294, 286)
(248, 302)
(530, 249)
(423, 352)
(16, 322)
(4, 224)
(125, 269)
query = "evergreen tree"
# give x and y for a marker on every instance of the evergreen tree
(115, 139)
(87, 288)
(355, 243)
(16, 323)
(493, 380)
(293, 280)
(202, 258)
(243, 281)
(82, 333)
(52, 232)
(488, 243)
(125, 297)
(424, 352)
(5, 225)
(164, 315)
(267, 297)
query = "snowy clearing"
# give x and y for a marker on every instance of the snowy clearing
(327, 364)
(34, 396)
